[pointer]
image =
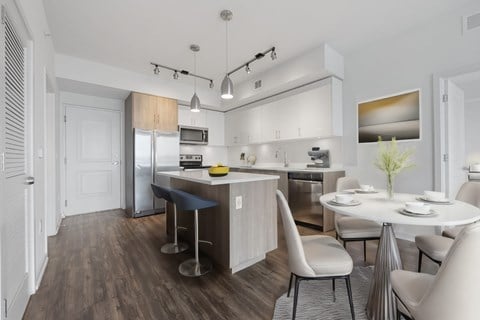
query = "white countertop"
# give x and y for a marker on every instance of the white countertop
(201, 176)
(377, 207)
(289, 169)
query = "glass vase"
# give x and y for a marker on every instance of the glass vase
(389, 187)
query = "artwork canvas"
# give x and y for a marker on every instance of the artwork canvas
(394, 116)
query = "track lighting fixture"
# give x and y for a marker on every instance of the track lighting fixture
(177, 72)
(227, 84)
(226, 87)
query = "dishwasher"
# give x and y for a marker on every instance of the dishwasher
(304, 191)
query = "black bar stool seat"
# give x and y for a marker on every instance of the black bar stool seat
(188, 202)
(175, 246)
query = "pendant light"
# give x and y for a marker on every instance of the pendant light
(227, 84)
(195, 102)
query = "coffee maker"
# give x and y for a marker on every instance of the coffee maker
(320, 158)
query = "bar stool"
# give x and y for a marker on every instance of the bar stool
(175, 247)
(186, 201)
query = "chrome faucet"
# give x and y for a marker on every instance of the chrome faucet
(285, 160)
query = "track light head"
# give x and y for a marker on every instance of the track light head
(175, 75)
(156, 71)
(247, 68)
(273, 54)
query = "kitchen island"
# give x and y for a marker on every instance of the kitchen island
(242, 228)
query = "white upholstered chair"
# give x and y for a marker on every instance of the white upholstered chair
(450, 294)
(436, 247)
(316, 257)
(352, 228)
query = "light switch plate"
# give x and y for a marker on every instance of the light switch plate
(238, 202)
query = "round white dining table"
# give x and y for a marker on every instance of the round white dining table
(381, 303)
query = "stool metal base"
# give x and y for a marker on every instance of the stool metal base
(172, 248)
(192, 268)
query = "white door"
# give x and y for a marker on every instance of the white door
(15, 143)
(453, 132)
(93, 160)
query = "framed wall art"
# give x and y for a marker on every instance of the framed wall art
(392, 116)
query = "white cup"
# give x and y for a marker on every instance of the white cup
(366, 187)
(343, 198)
(434, 195)
(417, 207)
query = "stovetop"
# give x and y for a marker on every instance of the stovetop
(192, 161)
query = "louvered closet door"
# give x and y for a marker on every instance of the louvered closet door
(13, 151)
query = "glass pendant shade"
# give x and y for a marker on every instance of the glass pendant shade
(195, 103)
(227, 88)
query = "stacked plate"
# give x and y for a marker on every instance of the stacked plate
(417, 209)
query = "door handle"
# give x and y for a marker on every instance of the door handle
(29, 180)
(116, 163)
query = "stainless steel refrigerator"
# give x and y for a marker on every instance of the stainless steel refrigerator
(151, 151)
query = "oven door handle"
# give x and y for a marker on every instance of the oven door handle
(306, 181)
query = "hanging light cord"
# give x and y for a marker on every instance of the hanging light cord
(195, 71)
(226, 46)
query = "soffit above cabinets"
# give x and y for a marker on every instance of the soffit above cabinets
(314, 65)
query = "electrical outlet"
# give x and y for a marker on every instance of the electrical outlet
(238, 202)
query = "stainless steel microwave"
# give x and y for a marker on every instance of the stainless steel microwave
(193, 135)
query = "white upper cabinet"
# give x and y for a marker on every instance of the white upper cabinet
(279, 120)
(216, 128)
(243, 127)
(313, 111)
(193, 119)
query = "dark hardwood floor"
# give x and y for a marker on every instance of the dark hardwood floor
(107, 266)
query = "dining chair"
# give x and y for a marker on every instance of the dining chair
(351, 228)
(436, 247)
(315, 257)
(450, 294)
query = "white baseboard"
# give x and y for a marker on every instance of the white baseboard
(18, 306)
(38, 280)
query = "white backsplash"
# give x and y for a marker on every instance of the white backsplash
(272, 154)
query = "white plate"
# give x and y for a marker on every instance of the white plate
(444, 201)
(413, 214)
(363, 191)
(350, 204)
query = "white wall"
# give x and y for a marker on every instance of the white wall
(398, 64)
(472, 141)
(401, 63)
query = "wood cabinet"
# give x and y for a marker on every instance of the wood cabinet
(152, 112)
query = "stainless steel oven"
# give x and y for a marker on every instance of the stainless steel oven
(304, 191)
(193, 135)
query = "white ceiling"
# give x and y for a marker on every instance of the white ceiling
(131, 33)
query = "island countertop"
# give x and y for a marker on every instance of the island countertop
(202, 176)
